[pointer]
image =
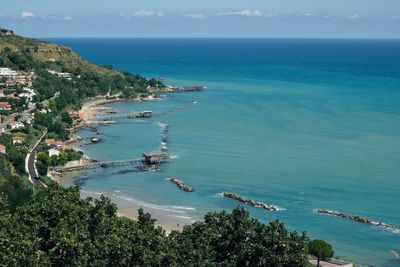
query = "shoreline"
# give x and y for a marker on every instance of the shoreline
(87, 114)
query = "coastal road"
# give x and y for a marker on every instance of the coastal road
(30, 164)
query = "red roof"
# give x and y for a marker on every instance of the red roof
(50, 141)
(60, 143)
(4, 104)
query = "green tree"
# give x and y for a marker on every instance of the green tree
(61, 229)
(320, 249)
(41, 168)
(237, 240)
(66, 118)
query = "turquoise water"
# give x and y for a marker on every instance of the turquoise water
(301, 124)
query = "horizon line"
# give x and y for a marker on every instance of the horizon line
(222, 37)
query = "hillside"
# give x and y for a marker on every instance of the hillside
(26, 54)
(47, 53)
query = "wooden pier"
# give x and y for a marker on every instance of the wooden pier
(133, 115)
(148, 160)
(139, 115)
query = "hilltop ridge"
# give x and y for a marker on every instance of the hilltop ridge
(45, 52)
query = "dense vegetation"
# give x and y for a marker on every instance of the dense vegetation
(61, 229)
(54, 95)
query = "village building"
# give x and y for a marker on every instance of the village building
(73, 114)
(15, 125)
(12, 96)
(28, 93)
(10, 83)
(7, 72)
(154, 157)
(5, 106)
(50, 141)
(1, 93)
(17, 140)
(64, 75)
(60, 74)
(60, 145)
(53, 152)
(2, 149)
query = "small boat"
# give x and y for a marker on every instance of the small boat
(95, 139)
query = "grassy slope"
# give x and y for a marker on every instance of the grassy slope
(43, 51)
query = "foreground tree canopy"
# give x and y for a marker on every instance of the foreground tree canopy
(58, 228)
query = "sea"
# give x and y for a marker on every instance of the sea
(300, 124)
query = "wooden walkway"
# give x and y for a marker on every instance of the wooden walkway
(143, 114)
(133, 115)
(102, 164)
(149, 159)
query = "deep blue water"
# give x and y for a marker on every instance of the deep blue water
(301, 124)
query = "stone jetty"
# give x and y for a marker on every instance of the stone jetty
(390, 227)
(249, 201)
(181, 184)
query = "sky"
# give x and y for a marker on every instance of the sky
(203, 18)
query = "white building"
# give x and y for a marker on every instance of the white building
(15, 125)
(7, 72)
(54, 152)
(28, 93)
(60, 74)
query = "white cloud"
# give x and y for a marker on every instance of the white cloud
(27, 14)
(355, 16)
(195, 16)
(67, 18)
(144, 13)
(245, 13)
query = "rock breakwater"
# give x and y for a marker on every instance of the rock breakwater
(390, 227)
(181, 184)
(249, 201)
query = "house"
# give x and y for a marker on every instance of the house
(12, 96)
(154, 157)
(60, 145)
(64, 75)
(53, 152)
(28, 93)
(5, 106)
(15, 125)
(60, 74)
(50, 142)
(2, 149)
(73, 114)
(7, 72)
(17, 140)
(1, 93)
